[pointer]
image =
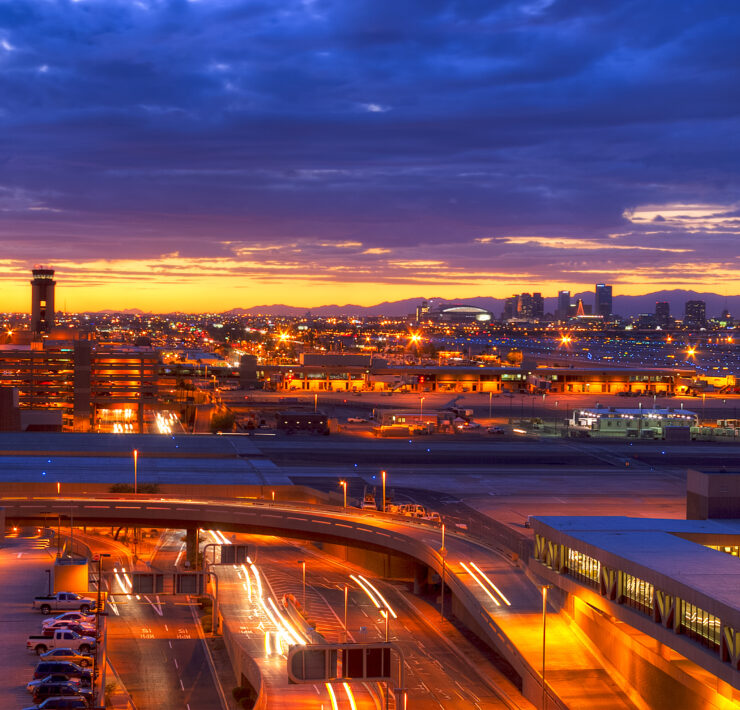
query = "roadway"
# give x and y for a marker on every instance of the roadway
(515, 628)
(443, 669)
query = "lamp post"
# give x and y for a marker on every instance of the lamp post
(383, 474)
(545, 587)
(421, 409)
(346, 593)
(315, 402)
(136, 470)
(385, 615)
(443, 554)
(98, 612)
(303, 565)
(490, 403)
(343, 484)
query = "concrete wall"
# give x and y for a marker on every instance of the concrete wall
(384, 564)
(653, 678)
(712, 494)
(303, 494)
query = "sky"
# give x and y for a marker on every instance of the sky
(204, 155)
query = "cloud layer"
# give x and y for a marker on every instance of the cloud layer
(479, 146)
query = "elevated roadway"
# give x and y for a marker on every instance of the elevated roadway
(490, 593)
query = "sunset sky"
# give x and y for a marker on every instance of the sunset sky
(204, 155)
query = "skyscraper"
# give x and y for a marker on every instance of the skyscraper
(563, 309)
(662, 313)
(42, 299)
(538, 306)
(603, 301)
(695, 312)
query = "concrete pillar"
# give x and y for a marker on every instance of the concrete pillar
(420, 578)
(191, 547)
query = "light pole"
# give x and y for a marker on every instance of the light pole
(97, 623)
(385, 615)
(303, 565)
(443, 554)
(421, 409)
(316, 402)
(490, 403)
(545, 587)
(346, 593)
(136, 470)
(383, 474)
(343, 484)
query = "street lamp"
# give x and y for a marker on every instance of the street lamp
(490, 403)
(383, 474)
(343, 484)
(303, 565)
(136, 470)
(443, 554)
(421, 408)
(545, 587)
(98, 612)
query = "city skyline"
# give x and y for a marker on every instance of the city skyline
(204, 156)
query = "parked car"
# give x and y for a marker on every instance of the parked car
(64, 688)
(61, 638)
(68, 654)
(57, 678)
(66, 703)
(63, 601)
(356, 420)
(74, 616)
(496, 430)
(45, 668)
(83, 629)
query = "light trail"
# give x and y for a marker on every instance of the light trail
(248, 585)
(332, 697)
(258, 580)
(480, 584)
(380, 596)
(268, 649)
(367, 591)
(350, 696)
(490, 581)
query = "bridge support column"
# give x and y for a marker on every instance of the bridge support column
(421, 577)
(191, 547)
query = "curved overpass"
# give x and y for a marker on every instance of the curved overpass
(508, 615)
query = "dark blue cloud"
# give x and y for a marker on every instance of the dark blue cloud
(183, 125)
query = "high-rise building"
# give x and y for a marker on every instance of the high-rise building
(563, 310)
(538, 306)
(603, 300)
(422, 312)
(524, 305)
(42, 300)
(662, 313)
(510, 307)
(695, 312)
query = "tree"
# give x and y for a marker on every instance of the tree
(222, 421)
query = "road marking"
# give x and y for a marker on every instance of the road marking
(176, 666)
(170, 643)
(183, 634)
(182, 687)
(166, 628)
(20, 554)
(157, 607)
(146, 633)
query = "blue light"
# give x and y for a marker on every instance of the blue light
(43, 473)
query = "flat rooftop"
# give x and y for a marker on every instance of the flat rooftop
(659, 551)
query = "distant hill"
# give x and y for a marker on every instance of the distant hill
(623, 305)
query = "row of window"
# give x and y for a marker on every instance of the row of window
(639, 594)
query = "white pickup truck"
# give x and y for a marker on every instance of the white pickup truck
(61, 638)
(63, 601)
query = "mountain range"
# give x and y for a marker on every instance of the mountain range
(622, 305)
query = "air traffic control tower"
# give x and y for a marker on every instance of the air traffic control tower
(42, 300)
